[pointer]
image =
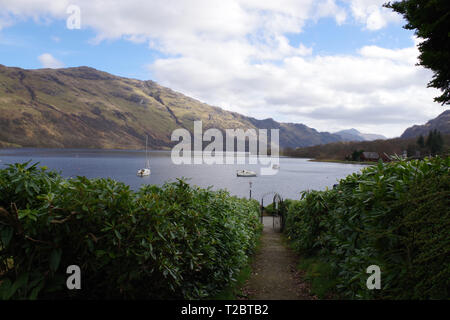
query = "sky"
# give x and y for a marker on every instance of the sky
(329, 64)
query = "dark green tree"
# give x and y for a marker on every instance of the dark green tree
(411, 150)
(421, 142)
(434, 142)
(431, 20)
(430, 139)
(439, 142)
(356, 155)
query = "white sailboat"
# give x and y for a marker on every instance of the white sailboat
(145, 171)
(245, 173)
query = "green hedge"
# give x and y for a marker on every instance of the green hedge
(393, 215)
(169, 242)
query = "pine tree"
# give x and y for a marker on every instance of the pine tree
(421, 142)
(439, 142)
(431, 21)
(434, 142)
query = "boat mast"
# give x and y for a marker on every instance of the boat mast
(146, 152)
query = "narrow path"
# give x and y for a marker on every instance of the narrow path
(274, 272)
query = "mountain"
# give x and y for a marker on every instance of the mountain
(86, 108)
(373, 136)
(441, 123)
(355, 135)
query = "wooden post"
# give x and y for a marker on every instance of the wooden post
(262, 209)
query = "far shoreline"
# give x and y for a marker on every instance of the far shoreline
(168, 150)
(367, 163)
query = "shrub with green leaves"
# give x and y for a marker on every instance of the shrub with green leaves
(393, 215)
(169, 242)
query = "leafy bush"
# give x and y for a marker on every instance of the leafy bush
(392, 215)
(174, 241)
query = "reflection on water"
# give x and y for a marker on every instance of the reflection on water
(294, 175)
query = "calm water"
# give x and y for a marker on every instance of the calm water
(294, 175)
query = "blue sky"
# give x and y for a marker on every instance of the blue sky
(329, 64)
(27, 40)
(22, 43)
(328, 38)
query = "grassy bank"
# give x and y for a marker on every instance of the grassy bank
(319, 273)
(394, 215)
(171, 242)
(234, 290)
(344, 161)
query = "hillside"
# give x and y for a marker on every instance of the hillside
(86, 108)
(440, 123)
(339, 150)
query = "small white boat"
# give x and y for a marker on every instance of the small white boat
(245, 173)
(145, 171)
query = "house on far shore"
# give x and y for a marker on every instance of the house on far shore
(370, 156)
(375, 156)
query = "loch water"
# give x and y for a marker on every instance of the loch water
(294, 175)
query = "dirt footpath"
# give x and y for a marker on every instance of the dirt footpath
(274, 273)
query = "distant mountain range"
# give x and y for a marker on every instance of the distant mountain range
(441, 123)
(355, 135)
(86, 108)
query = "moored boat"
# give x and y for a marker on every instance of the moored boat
(245, 173)
(145, 171)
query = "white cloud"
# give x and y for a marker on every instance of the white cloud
(378, 90)
(329, 8)
(49, 61)
(236, 54)
(372, 13)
